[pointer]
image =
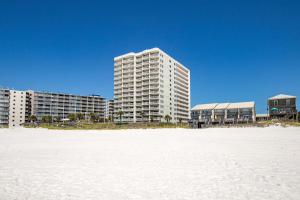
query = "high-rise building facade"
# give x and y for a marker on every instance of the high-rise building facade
(16, 107)
(59, 105)
(150, 85)
(4, 107)
(109, 110)
(19, 107)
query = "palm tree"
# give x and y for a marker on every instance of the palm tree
(101, 119)
(110, 118)
(92, 117)
(79, 116)
(142, 115)
(58, 119)
(168, 118)
(152, 119)
(47, 119)
(97, 118)
(72, 117)
(180, 120)
(120, 113)
(33, 118)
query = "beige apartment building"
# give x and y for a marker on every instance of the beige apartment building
(150, 85)
(4, 107)
(19, 107)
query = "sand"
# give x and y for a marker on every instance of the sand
(225, 164)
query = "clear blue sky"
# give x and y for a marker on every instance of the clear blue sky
(236, 50)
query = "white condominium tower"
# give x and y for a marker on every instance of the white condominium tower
(150, 85)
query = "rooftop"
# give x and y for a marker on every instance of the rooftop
(250, 104)
(222, 106)
(212, 106)
(282, 96)
(147, 51)
(205, 106)
(262, 115)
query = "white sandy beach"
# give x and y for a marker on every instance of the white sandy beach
(206, 164)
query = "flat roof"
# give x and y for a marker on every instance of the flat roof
(134, 53)
(214, 106)
(147, 51)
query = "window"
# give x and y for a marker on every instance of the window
(288, 102)
(275, 102)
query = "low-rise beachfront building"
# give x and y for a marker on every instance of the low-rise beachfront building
(282, 107)
(219, 113)
(262, 117)
(203, 112)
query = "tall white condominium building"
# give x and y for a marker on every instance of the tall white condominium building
(150, 85)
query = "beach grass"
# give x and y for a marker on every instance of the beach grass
(106, 126)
